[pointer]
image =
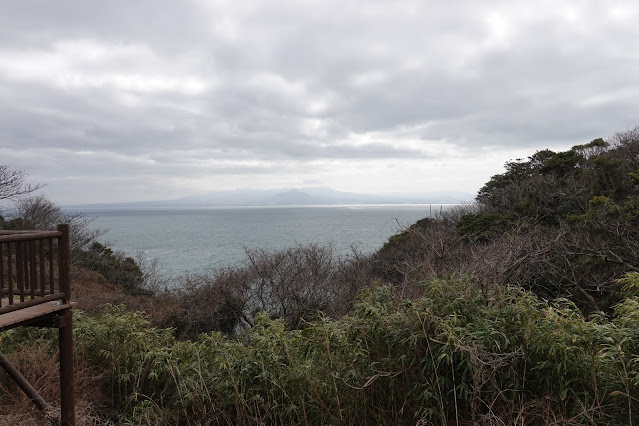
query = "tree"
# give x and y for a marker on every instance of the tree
(12, 184)
(38, 212)
(559, 224)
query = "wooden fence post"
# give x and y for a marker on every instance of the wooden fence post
(64, 257)
(67, 399)
(65, 333)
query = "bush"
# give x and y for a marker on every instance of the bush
(114, 266)
(454, 354)
(294, 284)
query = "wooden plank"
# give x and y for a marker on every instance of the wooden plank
(13, 318)
(20, 231)
(31, 302)
(7, 236)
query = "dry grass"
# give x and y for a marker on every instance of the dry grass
(92, 292)
(40, 368)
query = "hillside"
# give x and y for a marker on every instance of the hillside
(562, 224)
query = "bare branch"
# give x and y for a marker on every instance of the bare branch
(12, 183)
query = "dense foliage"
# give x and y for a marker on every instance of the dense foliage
(586, 200)
(113, 265)
(560, 224)
(454, 354)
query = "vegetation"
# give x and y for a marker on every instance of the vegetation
(114, 266)
(292, 284)
(558, 224)
(522, 308)
(454, 354)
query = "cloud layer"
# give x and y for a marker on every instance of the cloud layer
(116, 101)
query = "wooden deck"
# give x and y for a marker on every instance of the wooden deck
(26, 315)
(35, 269)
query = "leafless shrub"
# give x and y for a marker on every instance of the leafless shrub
(154, 278)
(429, 247)
(293, 284)
(38, 212)
(215, 300)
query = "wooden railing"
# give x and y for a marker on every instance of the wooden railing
(34, 291)
(34, 268)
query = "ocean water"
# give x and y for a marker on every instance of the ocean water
(193, 240)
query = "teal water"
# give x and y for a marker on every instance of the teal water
(193, 240)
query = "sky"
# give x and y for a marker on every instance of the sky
(110, 100)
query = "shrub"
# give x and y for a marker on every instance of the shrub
(114, 266)
(454, 354)
(293, 284)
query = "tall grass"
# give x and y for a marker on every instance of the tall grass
(454, 355)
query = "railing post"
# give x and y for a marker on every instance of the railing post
(65, 341)
(1, 272)
(10, 271)
(65, 332)
(20, 268)
(64, 257)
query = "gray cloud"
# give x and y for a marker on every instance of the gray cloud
(156, 98)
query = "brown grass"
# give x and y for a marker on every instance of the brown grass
(40, 368)
(92, 293)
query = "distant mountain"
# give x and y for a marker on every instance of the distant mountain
(289, 197)
(292, 197)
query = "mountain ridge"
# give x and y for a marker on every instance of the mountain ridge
(288, 197)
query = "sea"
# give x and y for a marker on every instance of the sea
(194, 240)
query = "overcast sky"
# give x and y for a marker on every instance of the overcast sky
(109, 100)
